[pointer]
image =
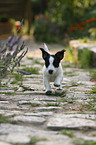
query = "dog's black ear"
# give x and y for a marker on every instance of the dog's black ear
(44, 53)
(60, 54)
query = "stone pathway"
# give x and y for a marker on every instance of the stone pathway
(29, 117)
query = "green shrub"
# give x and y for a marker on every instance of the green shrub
(85, 58)
(45, 30)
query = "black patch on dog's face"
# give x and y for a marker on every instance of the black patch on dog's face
(45, 56)
(47, 61)
(57, 57)
(56, 62)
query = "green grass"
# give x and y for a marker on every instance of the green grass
(93, 91)
(68, 133)
(35, 104)
(33, 141)
(8, 93)
(30, 58)
(31, 70)
(93, 73)
(69, 100)
(5, 119)
(17, 78)
(74, 84)
(84, 142)
(53, 104)
(38, 62)
(60, 94)
(90, 106)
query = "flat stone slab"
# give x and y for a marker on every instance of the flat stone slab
(4, 143)
(39, 114)
(6, 128)
(29, 102)
(8, 131)
(48, 108)
(29, 119)
(77, 43)
(16, 138)
(73, 121)
(10, 112)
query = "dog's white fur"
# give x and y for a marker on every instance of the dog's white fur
(55, 77)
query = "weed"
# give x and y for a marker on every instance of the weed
(52, 104)
(68, 100)
(5, 119)
(69, 65)
(89, 106)
(25, 88)
(93, 98)
(94, 135)
(17, 78)
(60, 94)
(33, 141)
(68, 133)
(7, 93)
(35, 104)
(30, 58)
(93, 91)
(74, 84)
(68, 73)
(15, 88)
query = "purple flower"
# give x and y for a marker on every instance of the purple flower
(15, 52)
(10, 39)
(3, 50)
(11, 46)
(22, 46)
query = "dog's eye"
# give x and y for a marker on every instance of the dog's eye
(56, 63)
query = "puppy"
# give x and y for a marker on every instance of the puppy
(52, 71)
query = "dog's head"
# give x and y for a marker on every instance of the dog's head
(52, 62)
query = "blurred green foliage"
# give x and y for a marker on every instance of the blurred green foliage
(85, 58)
(71, 17)
(45, 30)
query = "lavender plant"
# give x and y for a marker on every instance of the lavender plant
(11, 54)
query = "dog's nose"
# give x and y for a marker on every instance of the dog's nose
(50, 71)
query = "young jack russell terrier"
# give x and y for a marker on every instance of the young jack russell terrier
(52, 71)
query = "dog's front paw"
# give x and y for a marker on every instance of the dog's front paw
(48, 92)
(57, 85)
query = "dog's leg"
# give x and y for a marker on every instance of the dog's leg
(47, 86)
(58, 80)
